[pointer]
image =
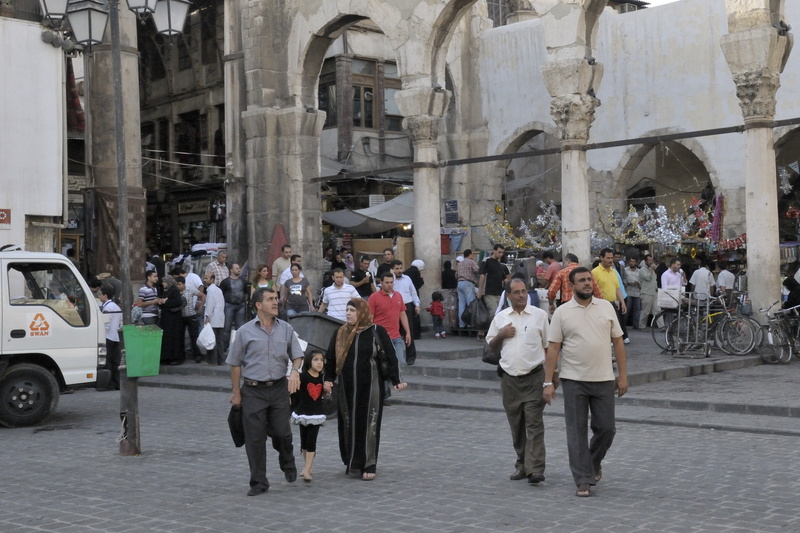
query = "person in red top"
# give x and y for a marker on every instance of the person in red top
(553, 267)
(561, 283)
(436, 309)
(389, 311)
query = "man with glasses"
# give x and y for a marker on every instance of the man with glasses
(520, 333)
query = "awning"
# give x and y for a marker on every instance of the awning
(377, 219)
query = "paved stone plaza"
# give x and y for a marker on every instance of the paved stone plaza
(439, 470)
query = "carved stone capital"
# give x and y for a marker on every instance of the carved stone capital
(422, 128)
(573, 115)
(756, 92)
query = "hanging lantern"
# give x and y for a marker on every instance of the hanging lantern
(142, 7)
(54, 10)
(87, 19)
(170, 16)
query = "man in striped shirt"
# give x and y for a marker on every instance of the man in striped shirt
(335, 297)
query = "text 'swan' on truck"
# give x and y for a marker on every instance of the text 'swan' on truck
(53, 335)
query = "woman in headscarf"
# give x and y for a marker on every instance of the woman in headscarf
(172, 323)
(352, 359)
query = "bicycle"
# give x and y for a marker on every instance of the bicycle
(734, 334)
(781, 334)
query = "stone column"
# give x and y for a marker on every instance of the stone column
(571, 84)
(102, 153)
(283, 156)
(756, 53)
(423, 109)
(235, 103)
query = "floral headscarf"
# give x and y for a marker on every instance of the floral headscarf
(346, 333)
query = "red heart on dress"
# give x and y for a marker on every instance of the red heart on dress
(314, 390)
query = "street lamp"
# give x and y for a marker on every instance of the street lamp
(54, 10)
(87, 18)
(170, 16)
(142, 7)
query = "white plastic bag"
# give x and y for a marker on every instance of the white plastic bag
(206, 339)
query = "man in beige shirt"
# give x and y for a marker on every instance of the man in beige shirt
(581, 330)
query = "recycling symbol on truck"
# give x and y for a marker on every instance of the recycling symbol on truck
(39, 326)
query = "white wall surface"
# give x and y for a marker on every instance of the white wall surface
(31, 126)
(664, 72)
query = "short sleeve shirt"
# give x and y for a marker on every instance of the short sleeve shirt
(337, 297)
(585, 335)
(264, 356)
(525, 350)
(297, 295)
(495, 273)
(608, 281)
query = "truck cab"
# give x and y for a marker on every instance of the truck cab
(53, 335)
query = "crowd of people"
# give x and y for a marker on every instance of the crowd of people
(565, 342)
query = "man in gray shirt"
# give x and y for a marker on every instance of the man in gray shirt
(259, 357)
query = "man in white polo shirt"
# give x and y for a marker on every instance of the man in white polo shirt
(335, 297)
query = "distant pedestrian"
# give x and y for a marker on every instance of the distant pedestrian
(467, 275)
(648, 291)
(283, 262)
(583, 330)
(449, 276)
(148, 299)
(235, 291)
(214, 315)
(297, 296)
(219, 268)
(259, 357)
(192, 300)
(436, 309)
(308, 412)
(389, 311)
(361, 278)
(171, 322)
(633, 301)
(335, 297)
(490, 285)
(113, 354)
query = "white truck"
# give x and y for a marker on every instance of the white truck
(53, 335)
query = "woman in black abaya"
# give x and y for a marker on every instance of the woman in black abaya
(351, 360)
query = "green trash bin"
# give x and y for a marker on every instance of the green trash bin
(142, 350)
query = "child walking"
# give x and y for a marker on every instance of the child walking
(436, 309)
(308, 412)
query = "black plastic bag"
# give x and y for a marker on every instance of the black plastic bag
(236, 425)
(476, 315)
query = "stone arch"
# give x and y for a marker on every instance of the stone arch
(315, 52)
(635, 154)
(787, 154)
(441, 35)
(516, 206)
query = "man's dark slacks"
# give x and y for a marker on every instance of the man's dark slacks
(524, 406)
(265, 413)
(581, 398)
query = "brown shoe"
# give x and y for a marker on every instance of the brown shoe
(517, 475)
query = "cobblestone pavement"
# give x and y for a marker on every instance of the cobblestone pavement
(439, 470)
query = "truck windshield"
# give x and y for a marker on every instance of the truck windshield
(52, 285)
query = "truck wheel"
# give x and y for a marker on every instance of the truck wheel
(28, 395)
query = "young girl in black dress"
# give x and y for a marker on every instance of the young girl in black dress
(308, 412)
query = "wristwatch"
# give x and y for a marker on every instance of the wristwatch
(547, 384)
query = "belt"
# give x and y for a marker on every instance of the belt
(534, 370)
(468, 280)
(256, 383)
